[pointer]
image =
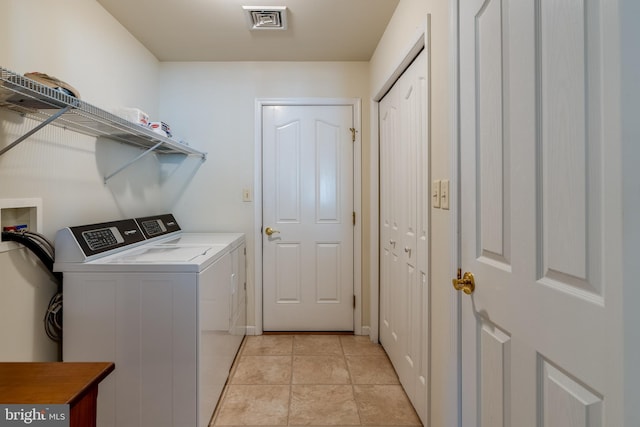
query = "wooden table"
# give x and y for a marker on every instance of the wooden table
(74, 384)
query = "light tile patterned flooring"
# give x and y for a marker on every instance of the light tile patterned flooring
(313, 380)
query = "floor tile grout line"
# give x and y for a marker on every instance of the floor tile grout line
(225, 388)
(293, 346)
(351, 381)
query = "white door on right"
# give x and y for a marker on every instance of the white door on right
(542, 331)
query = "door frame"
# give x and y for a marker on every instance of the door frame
(355, 104)
(454, 204)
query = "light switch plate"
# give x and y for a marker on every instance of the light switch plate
(246, 195)
(435, 193)
(444, 194)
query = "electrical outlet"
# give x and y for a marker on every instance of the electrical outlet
(444, 194)
(435, 193)
(246, 194)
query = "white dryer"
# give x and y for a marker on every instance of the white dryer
(169, 308)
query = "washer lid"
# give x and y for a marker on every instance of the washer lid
(163, 254)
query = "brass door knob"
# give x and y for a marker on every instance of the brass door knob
(466, 283)
(269, 231)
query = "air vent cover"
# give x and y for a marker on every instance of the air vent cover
(266, 17)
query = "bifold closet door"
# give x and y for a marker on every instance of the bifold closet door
(404, 201)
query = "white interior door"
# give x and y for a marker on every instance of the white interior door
(541, 331)
(404, 227)
(308, 203)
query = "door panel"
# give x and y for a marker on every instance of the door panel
(493, 177)
(389, 197)
(494, 356)
(570, 123)
(308, 201)
(535, 339)
(287, 184)
(328, 173)
(328, 259)
(566, 402)
(288, 276)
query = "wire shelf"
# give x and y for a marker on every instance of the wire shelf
(42, 103)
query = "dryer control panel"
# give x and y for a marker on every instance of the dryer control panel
(159, 225)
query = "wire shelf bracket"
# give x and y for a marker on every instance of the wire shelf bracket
(35, 129)
(130, 162)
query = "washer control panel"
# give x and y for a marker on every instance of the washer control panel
(102, 238)
(87, 242)
(98, 238)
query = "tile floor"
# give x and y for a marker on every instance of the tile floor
(318, 380)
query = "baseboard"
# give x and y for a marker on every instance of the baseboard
(365, 330)
(252, 330)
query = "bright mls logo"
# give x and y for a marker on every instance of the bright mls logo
(34, 415)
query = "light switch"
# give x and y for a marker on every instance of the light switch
(435, 193)
(246, 194)
(444, 194)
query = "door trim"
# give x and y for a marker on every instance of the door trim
(355, 104)
(455, 394)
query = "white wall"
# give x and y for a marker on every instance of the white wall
(212, 106)
(76, 41)
(408, 22)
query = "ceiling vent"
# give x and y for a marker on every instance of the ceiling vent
(266, 17)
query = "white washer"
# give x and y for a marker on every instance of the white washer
(169, 308)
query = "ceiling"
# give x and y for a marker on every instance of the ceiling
(218, 30)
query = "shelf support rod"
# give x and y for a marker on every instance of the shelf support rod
(132, 161)
(35, 129)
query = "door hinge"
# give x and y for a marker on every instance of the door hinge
(354, 218)
(354, 301)
(353, 134)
